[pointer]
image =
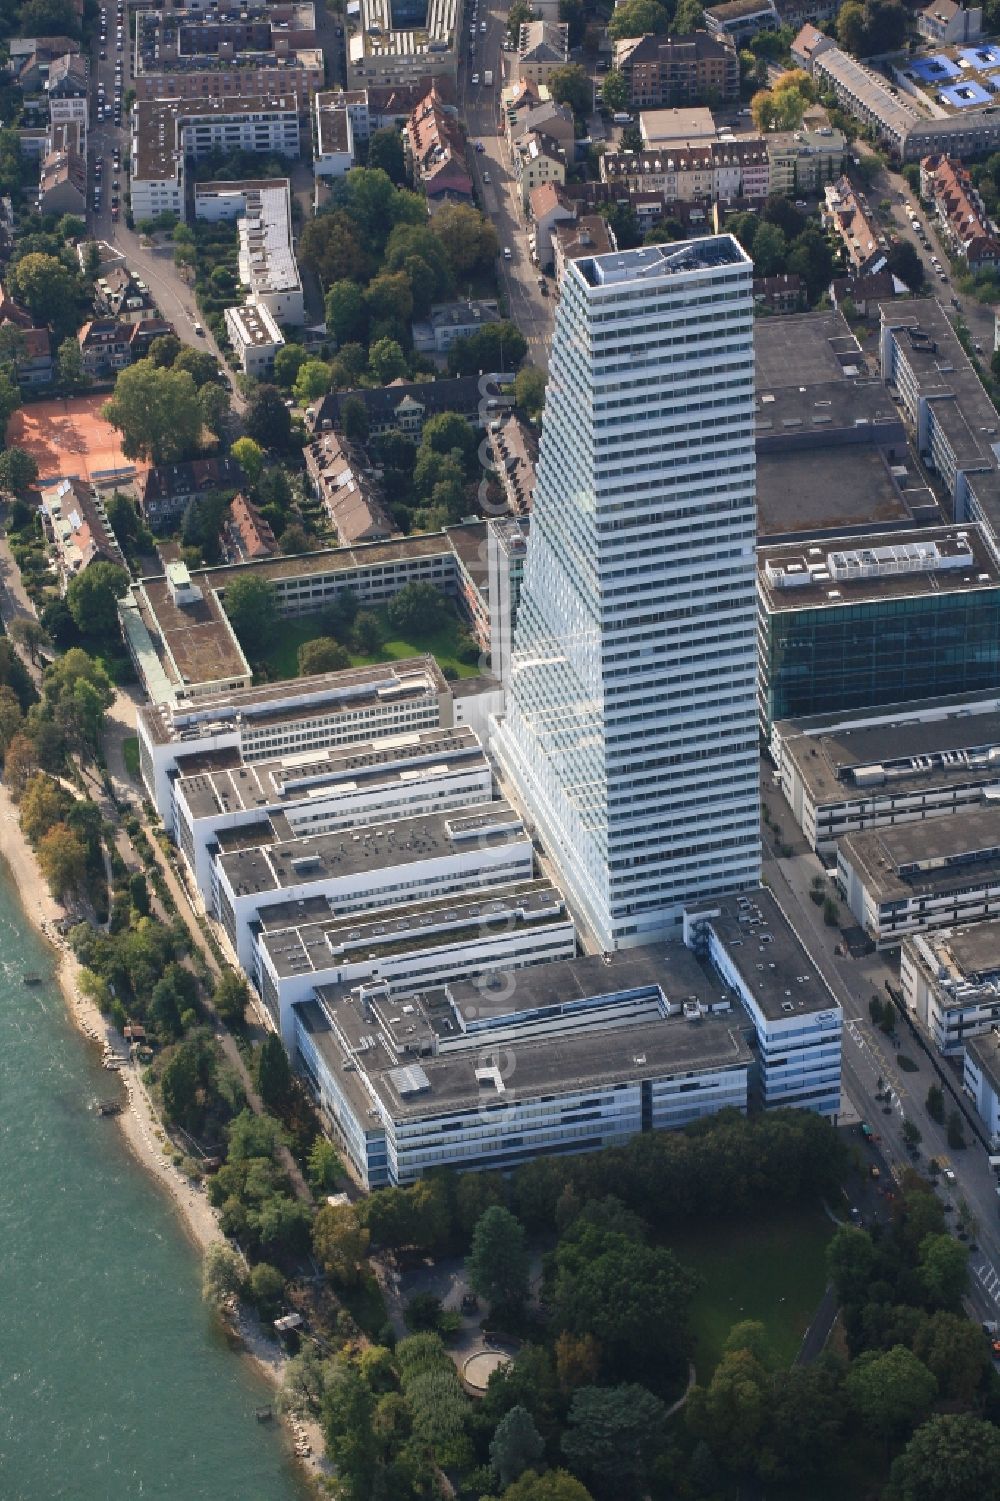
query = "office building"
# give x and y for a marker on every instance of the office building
(398, 42)
(951, 983)
(629, 735)
(861, 621)
(981, 1080)
(840, 774)
(435, 854)
(944, 872)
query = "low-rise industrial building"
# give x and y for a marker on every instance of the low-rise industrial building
(942, 872)
(951, 983)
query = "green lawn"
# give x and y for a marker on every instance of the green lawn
(130, 755)
(771, 1269)
(282, 660)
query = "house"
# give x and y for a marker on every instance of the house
(80, 532)
(847, 213)
(143, 332)
(810, 44)
(165, 491)
(541, 48)
(404, 406)
(347, 490)
(105, 346)
(544, 118)
(691, 69)
(247, 532)
(948, 23)
(34, 361)
(960, 211)
(448, 321)
(589, 235)
(548, 208)
(779, 294)
(435, 149)
(537, 159)
(62, 183)
(741, 19)
(865, 293)
(514, 451)
(120, 293)
(66, 88)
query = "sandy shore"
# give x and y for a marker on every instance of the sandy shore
(138, 1122)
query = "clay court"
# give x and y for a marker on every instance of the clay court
(69, 439)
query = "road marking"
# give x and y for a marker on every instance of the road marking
(987, 1275)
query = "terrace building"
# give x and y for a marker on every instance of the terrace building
(960, 211)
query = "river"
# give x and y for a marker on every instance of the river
(115, 1383)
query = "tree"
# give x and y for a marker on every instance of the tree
(43, 805)
(313, 380)
(911, 1131)
(495, 346)
(943, 1270)
(417, 609)
(222, 1275)
(554, 1485)
(214, 406)
(69, 366)
(230, 997)
(529, 390)
(571, 85)
(614, 1436)
(199, 364)
(636, 18)
(331, 246)
(385, 150)
(19, 763)
(615, 92)
(156, 412)
(11, 718)
(18, 471)
(768, 250)
(890, 1390)
(447, 431)
(10, 400)
(266, 1289)
(164, 350)
(340, 1242)
(266, 419)
(386, 361)
(935, 1103)
(904, 262)
(251, 603)
(688, 17)
(953, 1349)
(92, 598)
(294, 539)
(348, 1409)
(516, 1445)
(367, 633)
(49, 18)
(250, 457)
(850, 1257)
(346, 318)
(274, 1076)
(324, 1166)
(851, 27)
(288, 362)
(48, 289)
(497, 1267)
(730, 1414)
(322, 654)
(952, 1457)
(956, 1131)
(467, 237)
(179, 1086)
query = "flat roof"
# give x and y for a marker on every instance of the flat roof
(985, 1050)
(930, 853)
(545, 1063)
(918, 754)
(157, 153)
(314, 774)
(403, 841)
(805, 349)
(770, 957)
(821, 575)
(943, 370)
(812, 491)
(194, 639)
(651, 263)
(971, 952)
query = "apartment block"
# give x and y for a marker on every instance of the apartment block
(255, 337)
(667, 71)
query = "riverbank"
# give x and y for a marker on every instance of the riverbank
(138, 1121)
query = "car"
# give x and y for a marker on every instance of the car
(103, 55)
(978, 348)
(114, 212)
(955, 302)
(948, 1173)
(482, 28)
(480, 147)
(475, 78)
(874, 1172)
(866, 1130)
(486, 177)
(115, 185)
(941, 276)
(198, 330)
(506, 253)
(119, 45)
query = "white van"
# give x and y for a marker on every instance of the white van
(622, 117)
(487, 78)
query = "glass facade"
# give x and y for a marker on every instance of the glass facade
(890, 651)
(630, 734)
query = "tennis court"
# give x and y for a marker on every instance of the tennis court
(69, 439)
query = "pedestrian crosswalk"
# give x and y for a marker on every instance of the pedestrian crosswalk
(987, 1275)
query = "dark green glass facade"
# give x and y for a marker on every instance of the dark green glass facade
(863, 655)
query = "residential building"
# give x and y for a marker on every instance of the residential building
(866, 293)
(960, 211)
(949, 22)
(541, 48)
(166, 490)
(267, 264)
(804, 161)
(238, 724)
(546, 118)
(348, 491)
(404, 406)
(105, 346)
(942, 872)
(143, 333)
(625, 627)
(33, 365)
(658, 127)
(780, 294)
(167, 133)
(950, 980)
(855, 622)
(436, 854)
(847, 213)
(603, 1051)
(537, 159)
(678, 70)
(255, 337)
(841, 774)
(247, 532)
(62, 183)
(181, 53)
(393, 45)
(741, 19)
(435, 149)
(579, 239)
(66, 87)
(693, 171)
(79, 530)
(981, 1080)
(333, 135)
(548, 207)
(514, 450)
(121, 294)
(755, 950)
(448, 321)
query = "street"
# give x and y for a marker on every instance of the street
(499, 198)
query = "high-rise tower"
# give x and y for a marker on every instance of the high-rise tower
(630, 733)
